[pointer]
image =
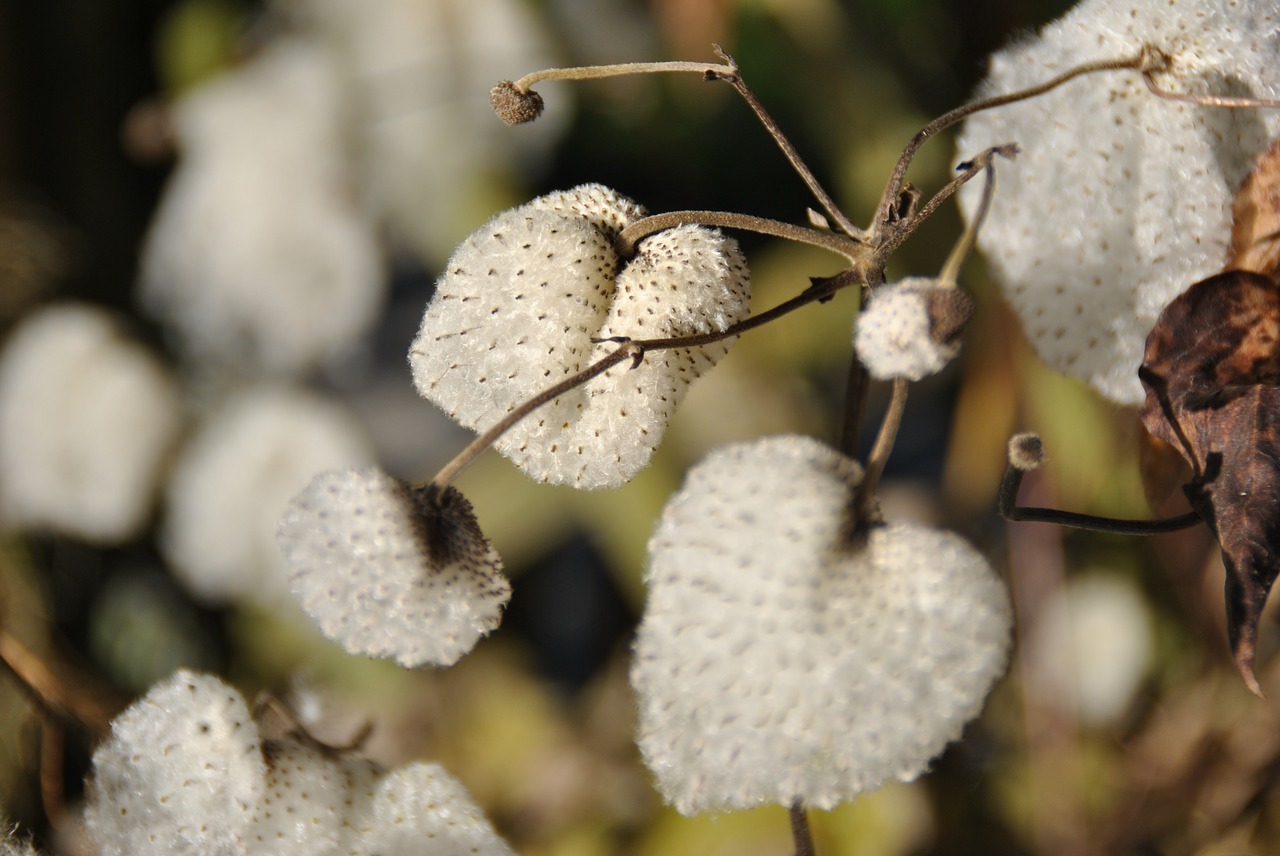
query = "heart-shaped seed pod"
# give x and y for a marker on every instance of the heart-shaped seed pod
(519, 306)
(387, 570)
(782, 659)
(180, 773)
(186, 770)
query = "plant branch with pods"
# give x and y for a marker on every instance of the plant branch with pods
(565, 333)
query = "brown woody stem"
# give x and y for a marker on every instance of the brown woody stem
(1207, 100)
(66, 698)
(632, 235)
(904, 230)
(800, 832)
(635, 349)
(734, 79)
(855, 405)
(595, 72)
(864, 500)
(463, 459)
(890, 196)
(951, 268)
(1010, 510)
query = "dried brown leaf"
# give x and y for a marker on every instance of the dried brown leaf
(1212, 375)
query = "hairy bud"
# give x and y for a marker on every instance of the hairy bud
(513, 106)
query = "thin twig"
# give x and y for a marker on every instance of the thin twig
(855, 406)
(463, 459)
(734, 79)
(594, 72)
(800, 832)
(950, 272)
(643, 228)
(889, 198)
(905, 229)
(864, 498)
(821, 291)
(1010, 510)
(52, 754)
(59, 697)
(635, 349)
(1207, 100)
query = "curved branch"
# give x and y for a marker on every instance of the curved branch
(842, 245)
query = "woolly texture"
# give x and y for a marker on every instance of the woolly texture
(778, 662)
(258, 255)
(181, 773)
(893, 334)
(235, 478)
(185, 771)
(523, 297)
(304, 804)
(387, 572)
(1119, 199)
(87, 419)
(399, 827)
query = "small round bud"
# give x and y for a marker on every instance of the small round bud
(513, 106)
(1026, 452)
(910, 329)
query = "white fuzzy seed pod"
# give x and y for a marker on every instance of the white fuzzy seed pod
(87, 419)
(523, 297)
(897, 333)
(303, 807)
(234, 479)
(1119, 199)
(181, 773)
(421, 808)
(387, 572)
(779, 662)
(258, 256)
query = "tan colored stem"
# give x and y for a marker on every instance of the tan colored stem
(1207, 100)
(734, 79)
(889, 198)
(899, 234)
(865, 499)
(593, 72)
(56, 695)
(635, 349)
(463, 459)
(951, 268)
(632, 235)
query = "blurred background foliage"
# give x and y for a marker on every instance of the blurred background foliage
(1121, 727)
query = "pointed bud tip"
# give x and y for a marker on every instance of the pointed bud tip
(1026, 452)
(1244, 654)
(513, 106)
